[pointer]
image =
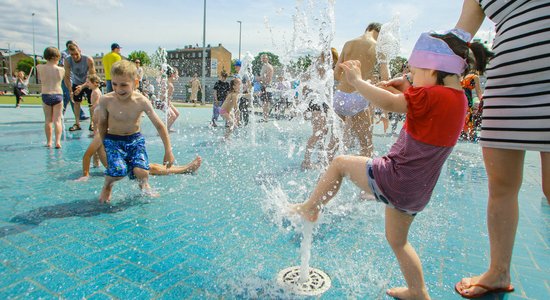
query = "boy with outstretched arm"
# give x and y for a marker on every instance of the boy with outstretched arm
(119, 116)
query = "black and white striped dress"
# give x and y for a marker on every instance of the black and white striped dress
(516, 114)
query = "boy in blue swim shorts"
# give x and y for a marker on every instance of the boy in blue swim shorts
(119, 117)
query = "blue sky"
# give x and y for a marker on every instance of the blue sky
(266, 25)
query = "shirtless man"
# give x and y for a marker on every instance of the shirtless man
(349, 104)
(266, 76)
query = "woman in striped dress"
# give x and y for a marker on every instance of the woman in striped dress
(516, 118)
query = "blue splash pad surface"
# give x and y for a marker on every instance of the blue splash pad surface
(216, 234)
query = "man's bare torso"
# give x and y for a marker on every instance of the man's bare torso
(362, 49)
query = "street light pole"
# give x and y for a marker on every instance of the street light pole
(9, 56)
(57, 17)
(240, 31)
(204, 55)
(33, 51)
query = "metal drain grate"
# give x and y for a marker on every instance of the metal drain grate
(317, 283)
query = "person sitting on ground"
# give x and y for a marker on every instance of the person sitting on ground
(119, 118)
(229, 109)
(51, 76)
(404, 179)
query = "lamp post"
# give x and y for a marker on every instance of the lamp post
(240, 31)
(203, 83)
(57, 18)
(9, 58)
(33, 51)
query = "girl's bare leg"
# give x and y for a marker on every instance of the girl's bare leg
(319, 128)
(354, 167)
(397, 231)
(174, 114)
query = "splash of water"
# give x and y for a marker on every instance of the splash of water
(246, 72)
(159, 62)
(388, 46)
(305, 250)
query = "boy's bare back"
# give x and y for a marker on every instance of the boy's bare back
(124, 116)
(50, 76)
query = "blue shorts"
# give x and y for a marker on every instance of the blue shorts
(378, 193)
(124, 153)
(349, 104)
(52, 99)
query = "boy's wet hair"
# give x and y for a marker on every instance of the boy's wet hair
(476, 54)
(124, 68)
(94, 78)
(51, 53)
(374, 26)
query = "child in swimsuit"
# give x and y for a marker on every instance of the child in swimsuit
(51, 75)
(119, 117)
(404, 179)
(229, 109)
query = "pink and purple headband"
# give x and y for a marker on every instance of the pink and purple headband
(432, 53)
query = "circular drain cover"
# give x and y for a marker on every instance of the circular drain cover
(317, 283)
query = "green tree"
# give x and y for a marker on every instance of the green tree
(396, 65)
(142, 56)
(257, 62)
(25, 65)
(300, 65)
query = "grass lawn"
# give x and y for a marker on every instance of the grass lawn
(37, 100)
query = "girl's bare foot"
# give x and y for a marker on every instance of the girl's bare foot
(309, 214)
(48, 145)
(57, 145)
(405, 293)
(194, 165)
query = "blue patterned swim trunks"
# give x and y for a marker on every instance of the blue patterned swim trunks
(124, 153)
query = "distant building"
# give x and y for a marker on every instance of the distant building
(9, 60)
(98, 65)
(188, 60)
